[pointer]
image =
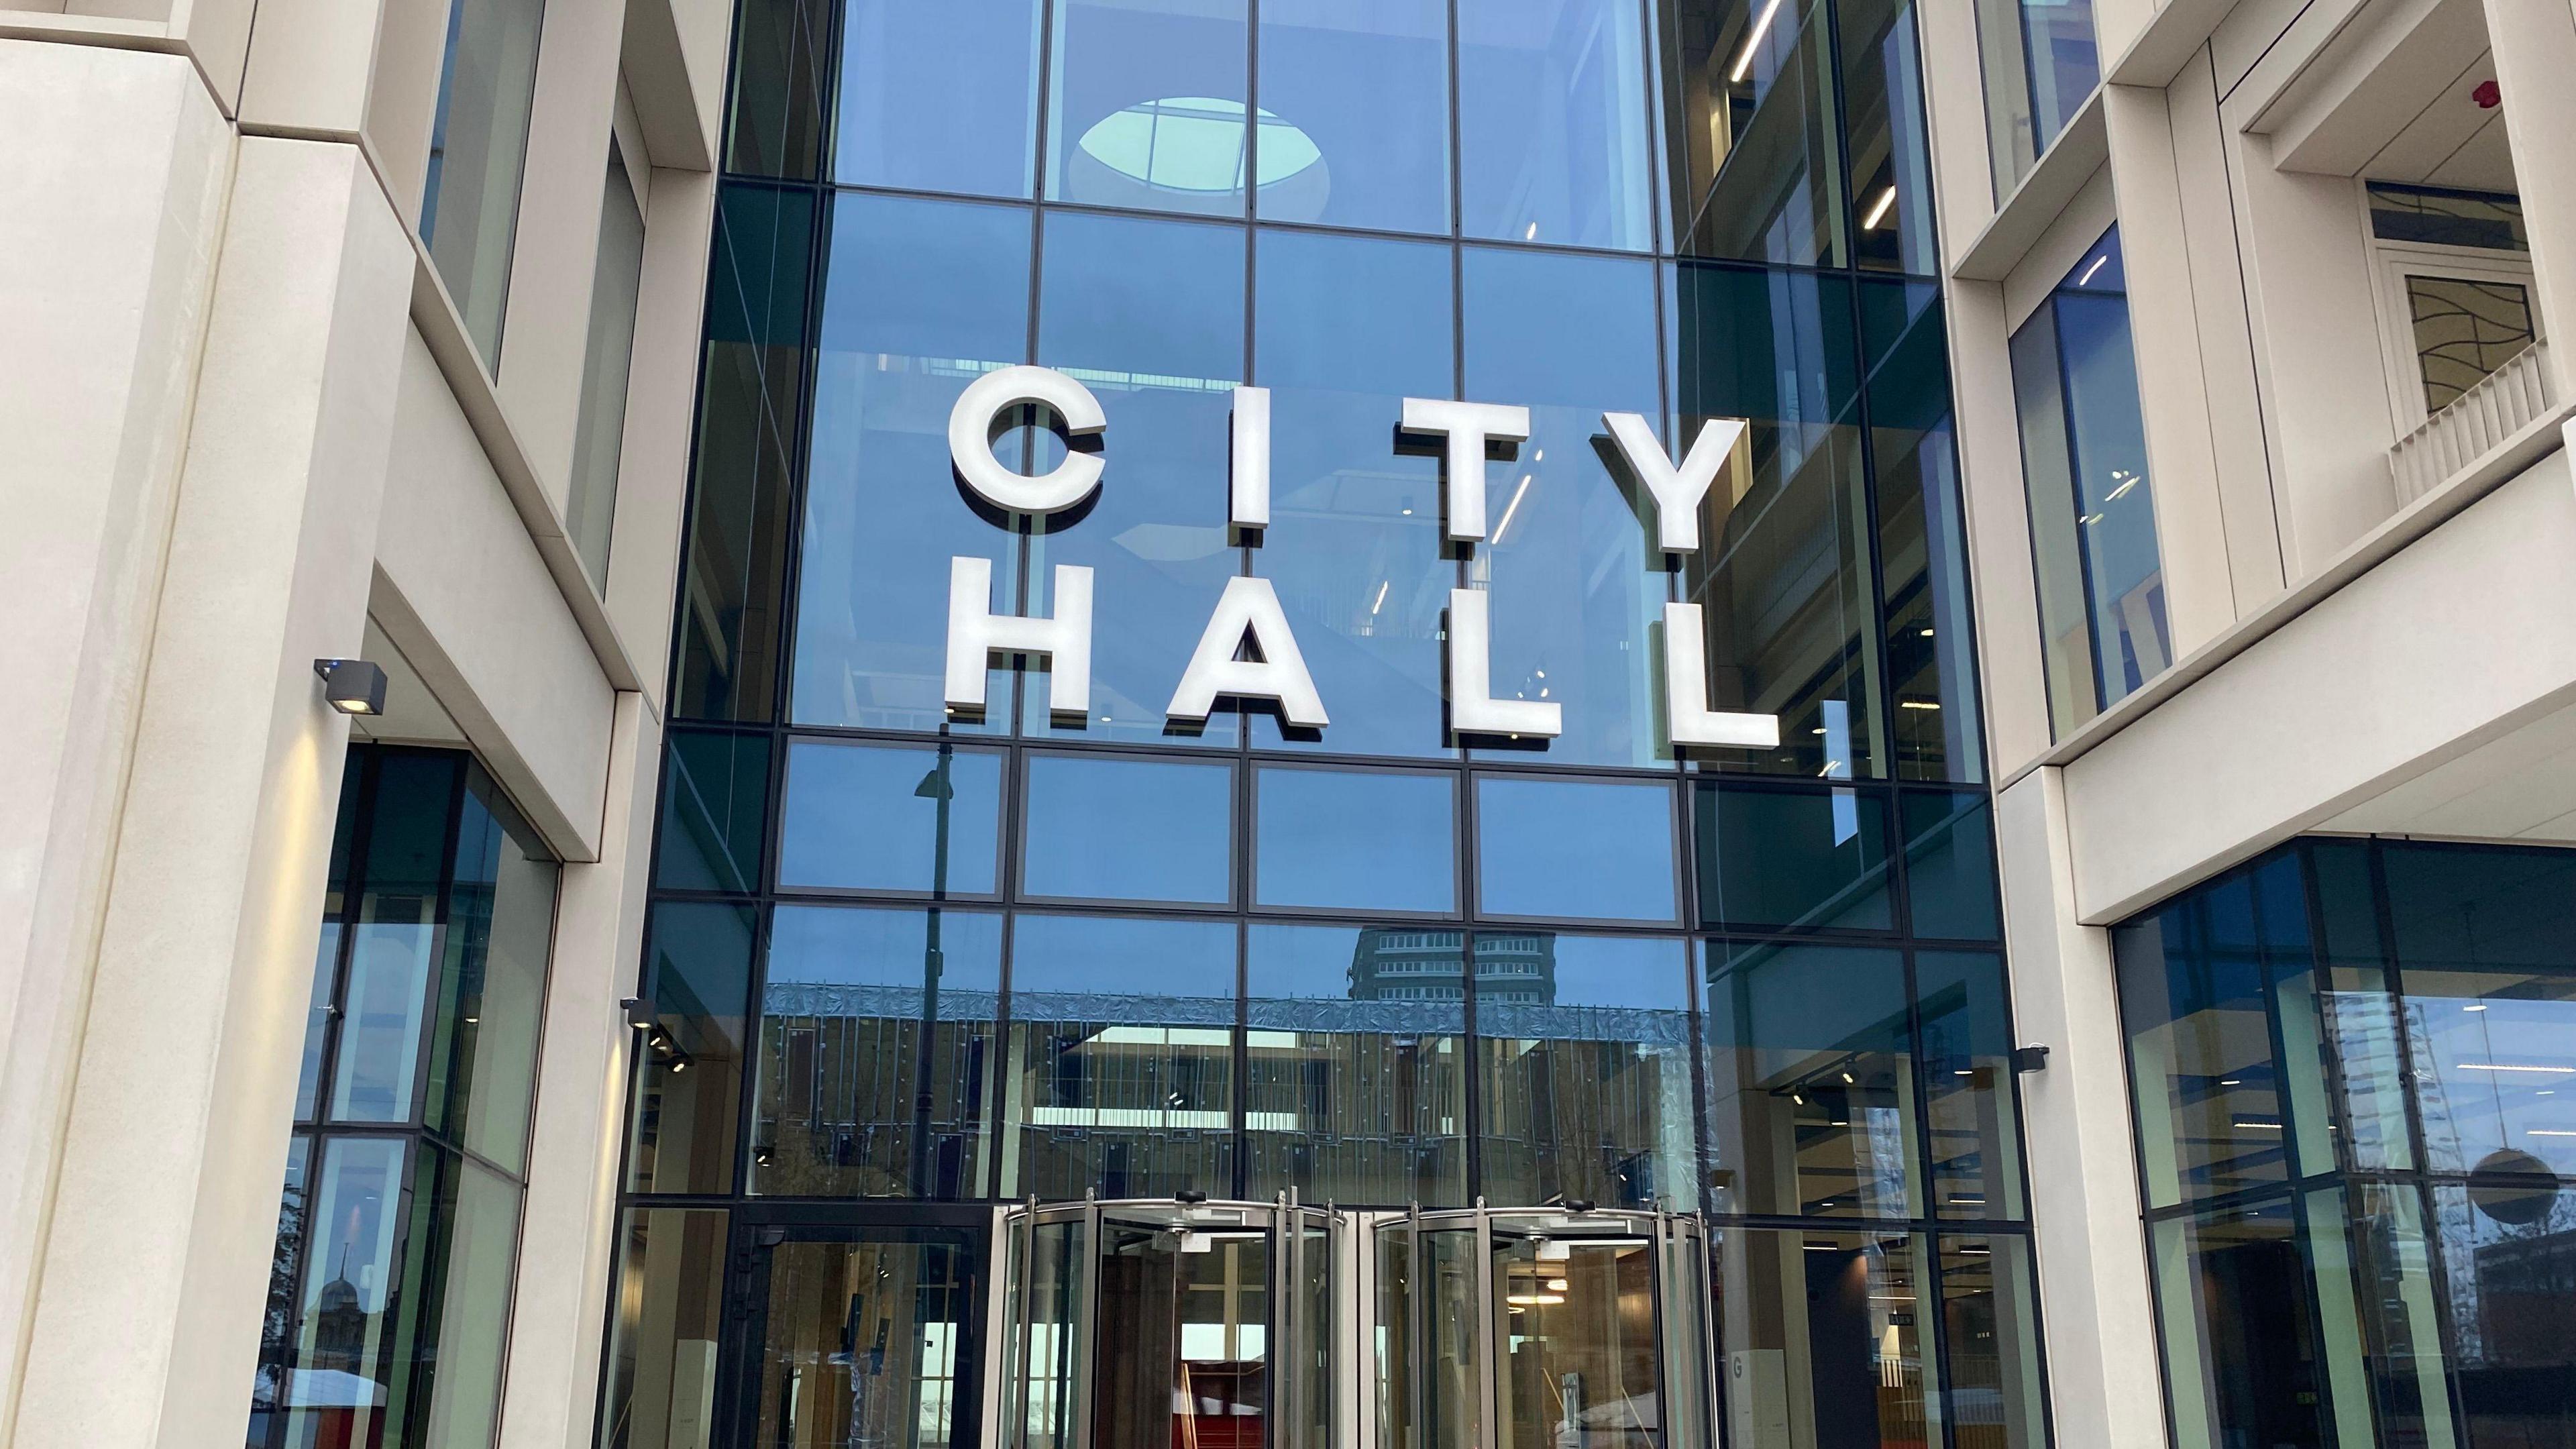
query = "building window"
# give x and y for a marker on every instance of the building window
(2092, 511)
(2453, 270)
(2348, 1061)
(2042, 63)
(478, 152)
(389, 1296)
(590, 508)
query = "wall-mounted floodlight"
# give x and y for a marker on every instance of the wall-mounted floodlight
(352, 685)
(2030, 1058)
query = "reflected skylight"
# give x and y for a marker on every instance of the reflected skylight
(1195, 143)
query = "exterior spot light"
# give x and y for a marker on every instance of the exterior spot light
(2030, 1058)
(639, 1013)
(352, 685)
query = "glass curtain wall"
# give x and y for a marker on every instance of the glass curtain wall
(904, 955)
(2348, 1061)
(2092, 510)
(2042, 64)
(478, 153)
(389, 1295)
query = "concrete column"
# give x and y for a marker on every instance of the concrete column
(154, 1272)
(2095, 1306)
(2535, 53)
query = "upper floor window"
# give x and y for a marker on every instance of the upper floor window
(478, 152)
(2453, 270)
(2092, 512)
(590, 509)
(2042, 62)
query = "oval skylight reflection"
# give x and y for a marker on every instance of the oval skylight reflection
(1195, 144)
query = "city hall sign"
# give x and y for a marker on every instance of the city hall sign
(1249, 609)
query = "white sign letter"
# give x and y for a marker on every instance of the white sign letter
(1279, 674)
(1472, 708)
(1686, 709)
(975, 633)
(970, 438)
(1468, 427)
(1677, 491)
(1249, 503)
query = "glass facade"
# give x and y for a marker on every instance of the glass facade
(908, 962)
(2042, 64)
(2099, 568)
(478, 152)
(2348, 1059)
(397, 1241)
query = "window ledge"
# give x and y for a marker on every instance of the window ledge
(442, 327)
(2171, 37)
(2061, 173)
(2501, 464)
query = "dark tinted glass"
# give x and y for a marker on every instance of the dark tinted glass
(490, 1003)
(919, 299)
(777, 112)
(1757, 90)
(1577, 848)
(1149, 316)
(1990, 1314)
(1364, 90)
(715, 811)
(689, 1082)
(1950, 864)
(1376, 840)
(669, 1304)
(1577, 590)
(385, 1000)
(1347, 328)
(1584, 1047)
(1552, 119)
(726, 664)
(876, 1046)
(1811, 1082)
(873, 817)
(938, 97)
(1853, 1350)
(1891, 164)
(1968, 1084)
(1125, 829)
(1810, 859)
(1148, 107)
(1357, 1049)
(1120, 1073)
(1922, 536)
(1783, 573)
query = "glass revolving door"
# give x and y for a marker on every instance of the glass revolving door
(1560, 1328)
(1169, 1325)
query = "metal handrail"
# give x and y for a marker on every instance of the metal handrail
(2504, 402)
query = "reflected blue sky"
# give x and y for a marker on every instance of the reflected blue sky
(1128, 829)
(1355, 840)
(867, 818)
(1578, 848)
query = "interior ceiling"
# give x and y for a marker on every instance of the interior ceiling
(2521, 786)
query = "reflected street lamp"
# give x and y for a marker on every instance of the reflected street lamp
(934, 786)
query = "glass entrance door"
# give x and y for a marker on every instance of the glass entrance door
(859, 1338)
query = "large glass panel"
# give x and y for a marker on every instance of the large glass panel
(1110, 828)
(2395, 1289)
(921, 819)
(777, 122)
(1357, 1093)
(1757, 92)
(1552, 117)
(715, 812)
(1968, 1096)
(394, 956)
(1950, 864)
(1584, 1046)
(279, 1315)
(344, 1319)
(2222, 1101)
(2240, 1333)
(478, 151)
(689, 1082)
(1990, 1324)
(2506, 1263)
(1587, 849)
(590, 508)
(2041, 64)
(867, 1342)
(1922, 537)
(1365, 89)
(1578, 593)
(2357, 1010)
(920, 298)
(1376, 840)
(748, 400)
(2441, 216)
(2483, 944)
(1811, 1082)
(492, 982)
(1149, 316)
(876, 1050)
(1830, 1331)
(1347, 328)
(938, 97)
(2093, 521)
(1891, 163)
(1148, 108)
(1581, 1369)
(1783, 573)
(1812, 859)
(668, 1318)
(2465, 329)
(469, 1224)
(1120, 1077)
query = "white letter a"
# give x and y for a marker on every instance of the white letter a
(1249, 605)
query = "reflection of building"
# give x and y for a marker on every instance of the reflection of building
(2526, 1303)
(1409, 964)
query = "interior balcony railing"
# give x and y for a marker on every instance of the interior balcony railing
(2502, 404)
